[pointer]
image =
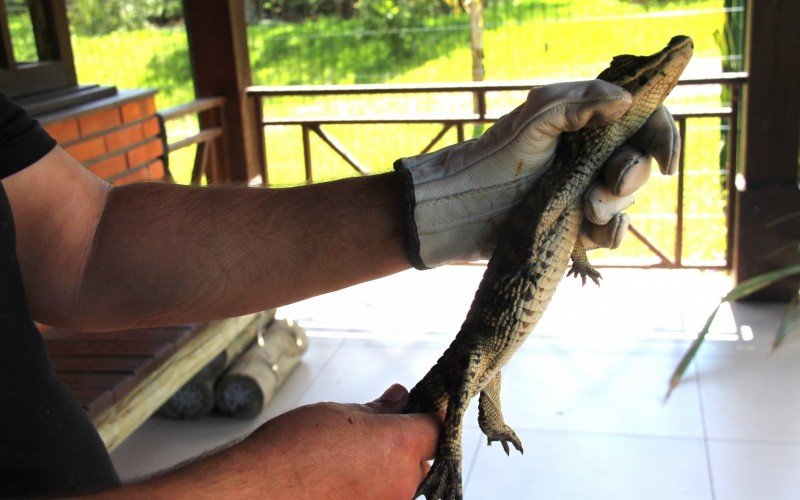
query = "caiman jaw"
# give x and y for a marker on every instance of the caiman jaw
(649, 79)
(634, 73)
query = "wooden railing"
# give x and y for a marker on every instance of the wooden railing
(734, 82)
(208, 139)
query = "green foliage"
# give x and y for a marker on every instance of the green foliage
(363, 49)
(97, 17)
(391, 18)
(397, 13)
(385, 10)
(658, 4)
(23, 41)
(395, 17)
(730, 40)
(297, 10)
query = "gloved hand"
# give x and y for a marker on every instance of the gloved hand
(460, 195)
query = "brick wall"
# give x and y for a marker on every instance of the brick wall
(117, 138)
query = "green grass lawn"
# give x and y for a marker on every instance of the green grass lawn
(550, 39)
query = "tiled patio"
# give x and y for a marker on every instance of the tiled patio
(585, 393)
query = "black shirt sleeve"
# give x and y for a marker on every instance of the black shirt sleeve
(22, 140)
(48, 445)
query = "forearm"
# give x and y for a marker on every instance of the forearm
(165, 254)
(241, 470)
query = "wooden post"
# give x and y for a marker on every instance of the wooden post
(767, 183)
(254, 11)
(7, 60)
(475, 9)
(217, 34)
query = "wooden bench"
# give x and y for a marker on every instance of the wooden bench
(122, 378)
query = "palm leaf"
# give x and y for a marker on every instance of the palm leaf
(782, 219)
(785, 326)
(740, 291)
(690, 353)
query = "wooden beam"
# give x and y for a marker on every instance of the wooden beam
(217, 34)
(339, 149)
(51, 30)
(6, 49)
(127, 414)
(45, 49)
(767, 183)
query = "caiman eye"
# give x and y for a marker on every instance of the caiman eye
(643, 80)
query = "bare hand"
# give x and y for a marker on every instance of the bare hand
(331, 450)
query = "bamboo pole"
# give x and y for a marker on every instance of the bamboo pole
(196, 398)
(252, 380)
(126, 415)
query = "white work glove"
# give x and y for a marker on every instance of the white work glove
(460, 195)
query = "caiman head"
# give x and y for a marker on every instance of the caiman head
(650, 79)
(635, 73)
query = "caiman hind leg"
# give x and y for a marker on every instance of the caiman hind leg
(581, 266)
(444, 479)
(490, 417)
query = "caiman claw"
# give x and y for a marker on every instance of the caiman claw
(581, 266)
(583, 271)
(443, 481)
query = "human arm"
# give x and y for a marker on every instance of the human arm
(98, 258)
(325, 450)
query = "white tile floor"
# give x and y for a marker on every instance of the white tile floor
(585, 393)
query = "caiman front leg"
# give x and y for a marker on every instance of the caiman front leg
(444, 479)
(490, 417)
(581, 266)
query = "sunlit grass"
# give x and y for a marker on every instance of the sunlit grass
(581, 46)
(559, 40)
(148, 58)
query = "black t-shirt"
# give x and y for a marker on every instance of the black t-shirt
(48, 446)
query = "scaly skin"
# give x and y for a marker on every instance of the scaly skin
(530, 259)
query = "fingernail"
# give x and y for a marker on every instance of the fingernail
(394, 393)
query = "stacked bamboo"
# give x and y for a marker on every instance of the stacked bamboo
(240, 381)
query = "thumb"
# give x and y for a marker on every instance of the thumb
(393, 400)
(567, 107)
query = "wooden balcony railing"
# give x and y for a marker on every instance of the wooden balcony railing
(479, 114)
(207, 139)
